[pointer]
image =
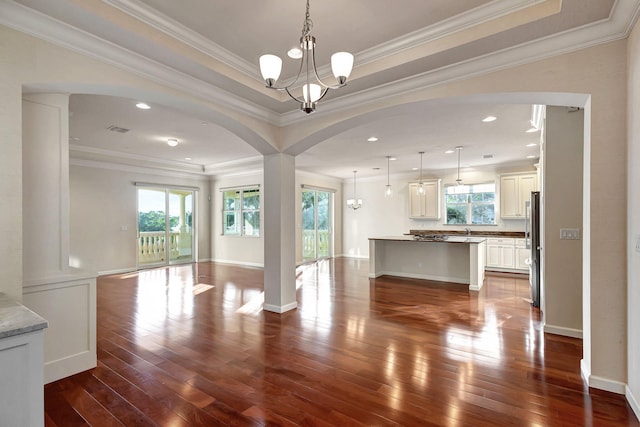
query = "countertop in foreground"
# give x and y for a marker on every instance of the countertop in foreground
(16, 319)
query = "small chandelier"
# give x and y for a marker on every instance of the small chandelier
(459, 181)
(354, 203)
(341, 65)
(421, 184)
(388, 191)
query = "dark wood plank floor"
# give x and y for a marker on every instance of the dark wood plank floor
(190, 346)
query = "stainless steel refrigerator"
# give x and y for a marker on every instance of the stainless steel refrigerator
(532, 235)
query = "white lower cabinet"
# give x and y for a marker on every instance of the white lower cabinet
(506, 253)
(500, 253)
(522, 253)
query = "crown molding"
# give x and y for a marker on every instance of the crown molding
(234, 167)
(616, 27)
(172, 28)
(37, 24)
(102, 164)
(118, 157)
(461, 22)
(24, 19)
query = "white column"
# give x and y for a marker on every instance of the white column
(45, 185)
(65, 296)
(279, 233)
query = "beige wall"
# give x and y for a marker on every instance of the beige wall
(562, 208)
(599, 72)
(633, 220)
(105, 200)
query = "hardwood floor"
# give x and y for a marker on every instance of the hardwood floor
(190, 346)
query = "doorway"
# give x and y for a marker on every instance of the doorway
(165, 226)
(317, 213)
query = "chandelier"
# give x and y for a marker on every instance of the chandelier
(354, 203)
(313, 89)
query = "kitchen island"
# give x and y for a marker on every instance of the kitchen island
(457, 258)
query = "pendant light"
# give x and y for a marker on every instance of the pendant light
(388, 191)
(421, 184)
(459, 181)
(354, 203)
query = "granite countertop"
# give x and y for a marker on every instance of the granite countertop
(16, 319)
(474, 233)
(432, 238)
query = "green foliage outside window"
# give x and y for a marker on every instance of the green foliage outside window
(241, 215)
(471, 204)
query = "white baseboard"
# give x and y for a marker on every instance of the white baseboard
(594, 381)
(281, 308)
(633, 401)
(117, 271)
(238, 263)
(560, 330)
(69, 365)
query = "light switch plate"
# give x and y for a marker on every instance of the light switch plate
(637, 242)
(569, 234)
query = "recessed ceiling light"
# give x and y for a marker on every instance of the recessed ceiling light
(372, 139)
(142, 106)
(172, 142)
(294, 53)
(414, 169)
(74, 138)
(533, 144)
(489, 119)
(187, 158)
(393, 158)
(531, 157)
(449, 152)
(532, 130)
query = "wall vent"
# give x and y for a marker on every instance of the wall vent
(487, 156)
(118, 129)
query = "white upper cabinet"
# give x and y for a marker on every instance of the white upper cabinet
(425, 205)
(515, 191)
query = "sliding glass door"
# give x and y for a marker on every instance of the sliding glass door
(165, 226)
(317, 212)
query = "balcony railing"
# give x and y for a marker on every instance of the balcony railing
(152, 249)
(309, 244)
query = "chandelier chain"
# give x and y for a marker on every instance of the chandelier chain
(307, 26)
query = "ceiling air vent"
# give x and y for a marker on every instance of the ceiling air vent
(118, 129)
(487, 156)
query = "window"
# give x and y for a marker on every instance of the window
(241, 215)
(471, 204)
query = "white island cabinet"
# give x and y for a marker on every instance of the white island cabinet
(458, 259)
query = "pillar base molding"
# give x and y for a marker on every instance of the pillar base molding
(281, 308)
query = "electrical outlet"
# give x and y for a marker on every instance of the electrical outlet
(124, 228)
(637, 242)
(569, 234)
